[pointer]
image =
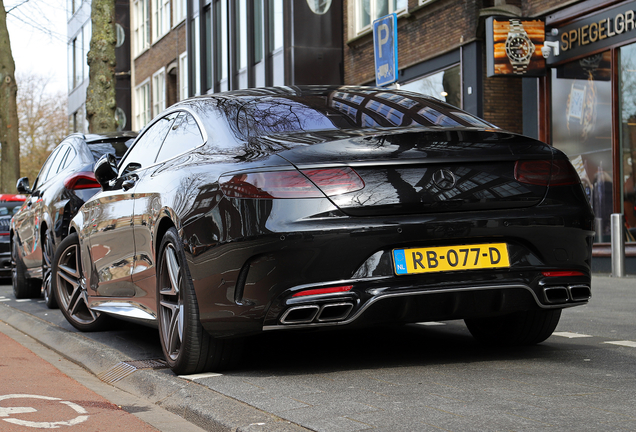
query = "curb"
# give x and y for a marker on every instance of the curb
(195, 403)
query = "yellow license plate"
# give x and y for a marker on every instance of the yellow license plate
(450, 258)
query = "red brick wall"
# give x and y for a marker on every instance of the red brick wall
(428, 32)
(160, 54)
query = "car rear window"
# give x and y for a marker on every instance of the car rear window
(118, 148)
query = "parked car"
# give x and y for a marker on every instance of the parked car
(9, 204)
(319, 207)
(64, 183)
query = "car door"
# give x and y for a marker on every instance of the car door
(159, 190)
(110, 214)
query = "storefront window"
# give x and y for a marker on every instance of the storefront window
(627, 92)
(444, 85)
(582, 128)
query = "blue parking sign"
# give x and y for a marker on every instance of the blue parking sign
(385, 50)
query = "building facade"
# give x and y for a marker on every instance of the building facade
(79, 36)
(187, 48)
(581, 102)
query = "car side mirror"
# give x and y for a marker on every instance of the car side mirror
(23, 186)
(106, 170)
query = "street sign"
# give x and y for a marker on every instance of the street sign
(385, 50)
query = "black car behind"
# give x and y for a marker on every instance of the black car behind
(65, 182)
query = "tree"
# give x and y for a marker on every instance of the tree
(10, 155)
(43, 122)
(100, 94)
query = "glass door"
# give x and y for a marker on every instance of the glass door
(582, 128)
(627, 108)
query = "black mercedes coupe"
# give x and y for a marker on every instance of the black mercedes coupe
(319, 207)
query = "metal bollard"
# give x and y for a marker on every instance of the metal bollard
(618, 245)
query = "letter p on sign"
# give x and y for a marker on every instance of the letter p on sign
(385, 49)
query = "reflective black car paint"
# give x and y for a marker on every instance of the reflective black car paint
(247, 257)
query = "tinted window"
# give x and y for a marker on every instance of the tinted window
(184, 135)
(68, 158)
(45, 168)
(144, 151)
(55, 164)
(118, 148)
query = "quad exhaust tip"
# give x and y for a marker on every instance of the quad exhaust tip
(563, 294)
(328, 312)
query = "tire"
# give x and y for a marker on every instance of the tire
(519, 328)
(69, 287)
(23, 287)
(48, 252)
(187, 347)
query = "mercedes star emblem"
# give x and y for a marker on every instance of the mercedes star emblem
(444, 179)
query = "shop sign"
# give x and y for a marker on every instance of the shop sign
(602, 30)
(513, 46)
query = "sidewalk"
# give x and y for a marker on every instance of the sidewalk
(35, 394)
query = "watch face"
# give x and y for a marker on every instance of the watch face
(518, 48)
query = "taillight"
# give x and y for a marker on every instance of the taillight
(317, 291)
(562, 273)
(558, 172)
(335, 181)
(81, 180)
(291, 184)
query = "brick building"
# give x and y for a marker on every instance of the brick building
(186, 48)
(580, 99)
(159, 57)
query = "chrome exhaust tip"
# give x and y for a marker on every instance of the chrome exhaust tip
(300, 314)
(558, 294)
(334, 312)
(580, 292)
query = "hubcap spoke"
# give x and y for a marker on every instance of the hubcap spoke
(172, 322)
(173, 270)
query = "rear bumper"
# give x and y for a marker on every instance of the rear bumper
(384, 301)
(245, 285)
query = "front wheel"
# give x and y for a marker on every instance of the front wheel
(69, 287)
(519, 328)
(188, 348)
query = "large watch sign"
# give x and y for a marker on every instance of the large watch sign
(514, 47)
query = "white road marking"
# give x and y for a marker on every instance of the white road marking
(431, 323)
(5, 412)
(630, 344)
(4, 299)
(23, 300)
(570, 335)
(200, 376)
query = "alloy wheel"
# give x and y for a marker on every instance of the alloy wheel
(71, 288)
(171, 309)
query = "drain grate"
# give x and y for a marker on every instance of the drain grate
(122, 369)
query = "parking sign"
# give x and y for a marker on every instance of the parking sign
(385, 49)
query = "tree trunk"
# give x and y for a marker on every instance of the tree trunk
(100, 94)
(10, 155)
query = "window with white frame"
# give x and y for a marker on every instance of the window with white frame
(368, 11)
(183, 76)
(160, 18)
(142, 105)
(159, 91)
(141, 26)
(179, 11)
